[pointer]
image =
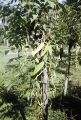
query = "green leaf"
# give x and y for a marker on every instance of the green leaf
(37, 60)
(45, 50)
(35, 17)
(48, 48)
(24, 4)
(37, 84)
(38, 67)
(51, 4)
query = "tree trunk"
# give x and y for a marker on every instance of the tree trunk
(66, 86)
(4, 42)
(67, 72)
(45, 94)
(7, 43)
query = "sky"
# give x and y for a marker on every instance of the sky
(60, 1)
(6, 1)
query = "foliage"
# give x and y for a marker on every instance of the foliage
(40, 30)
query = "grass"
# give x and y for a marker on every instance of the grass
(3, 58)
(75, 79)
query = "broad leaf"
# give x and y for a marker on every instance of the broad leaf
(48, 48)
(51, 4)
(45, 50)
(38, 67)
(24, 4)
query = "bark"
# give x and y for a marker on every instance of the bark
(66, 86)
(7, 43)
(45, 94)
(67, 72)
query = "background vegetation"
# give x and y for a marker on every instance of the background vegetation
(40, 58)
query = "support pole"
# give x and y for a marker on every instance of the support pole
(45, 94)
